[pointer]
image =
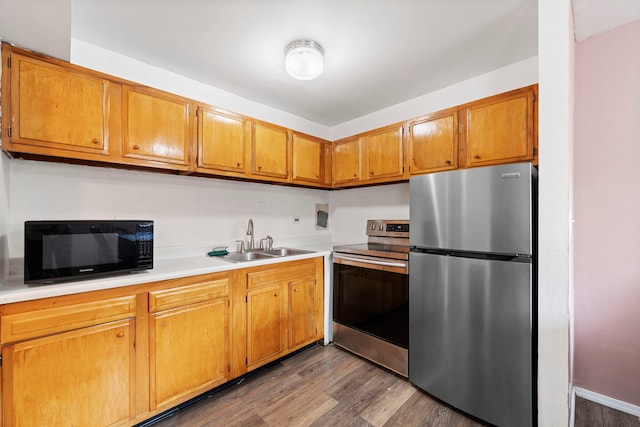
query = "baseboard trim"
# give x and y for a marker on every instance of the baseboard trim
(607, 401)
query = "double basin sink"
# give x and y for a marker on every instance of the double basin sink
(254, 255)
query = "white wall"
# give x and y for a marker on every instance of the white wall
(115, 64)
(40, 25)
(188, 211)
(514, 76)
(350, 209)
(556, 57)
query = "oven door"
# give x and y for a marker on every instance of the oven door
(371, 295)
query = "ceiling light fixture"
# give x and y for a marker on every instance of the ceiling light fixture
(303, 60)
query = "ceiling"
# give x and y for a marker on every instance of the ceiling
(377, 52)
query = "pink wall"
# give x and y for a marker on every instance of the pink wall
(607, 214)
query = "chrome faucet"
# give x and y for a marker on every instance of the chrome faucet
(269, 241)
(252, 243)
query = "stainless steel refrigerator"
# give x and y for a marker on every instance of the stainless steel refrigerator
(472, 290)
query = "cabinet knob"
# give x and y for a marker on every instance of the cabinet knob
(371, 173)
(295, 289)
(136, 147)
(238, 164)
(476, 156)
(448, 162)
(275, 295)
(259, 167)
(355, 175)
(120, 334)
(95, 141)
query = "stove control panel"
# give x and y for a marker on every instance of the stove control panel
(388, 228)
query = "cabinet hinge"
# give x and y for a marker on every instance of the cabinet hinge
(246, 360)
(533, 97)
(9, 62)
(228, 368)
(9, 132)
(246, 299)
(0, 360)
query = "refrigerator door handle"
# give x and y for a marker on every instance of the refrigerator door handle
(474, 255)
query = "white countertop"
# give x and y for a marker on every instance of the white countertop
(13, 289)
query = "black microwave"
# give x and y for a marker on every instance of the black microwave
(56, 251)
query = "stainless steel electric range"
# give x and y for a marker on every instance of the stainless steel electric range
(371, 295)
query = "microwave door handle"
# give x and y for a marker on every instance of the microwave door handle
(374, 262)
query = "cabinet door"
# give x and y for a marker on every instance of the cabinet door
(57, 108)
(309, 159)
(188, 351)
(84, 378)
(155, 127)
(302, 311)
(384, 153)
(266, 324)
(500, 129)
(222, 145)
(270, 151)
(433, 143)
(346, 161)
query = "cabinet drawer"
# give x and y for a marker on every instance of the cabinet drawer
(189, 294)
(20, 326)
(270, 275)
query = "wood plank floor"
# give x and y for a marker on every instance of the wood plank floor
(321, 386)
(327, 386)
(591, 414)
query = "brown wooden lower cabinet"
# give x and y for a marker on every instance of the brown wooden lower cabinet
(120, 356)
(188, 341)
(83, 377)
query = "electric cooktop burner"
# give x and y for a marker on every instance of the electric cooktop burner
(387, 239)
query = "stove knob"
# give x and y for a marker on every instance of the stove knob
(381, 227)
(373, 226)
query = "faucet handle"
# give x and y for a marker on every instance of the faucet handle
(269, 242)
(241, 246)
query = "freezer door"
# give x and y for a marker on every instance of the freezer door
(470, 335)
(486, 209)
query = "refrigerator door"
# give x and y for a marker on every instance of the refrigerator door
(486, 209)
(470, 341)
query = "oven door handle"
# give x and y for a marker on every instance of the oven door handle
(338, 258)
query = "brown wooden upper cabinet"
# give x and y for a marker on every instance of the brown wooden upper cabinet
(156, 128)
(54, 110)
(347, 164)
(433, 142)
(311, 160)
(270, 151)
(501, 128)
(384, 154)
(222, 142)
(376, 156)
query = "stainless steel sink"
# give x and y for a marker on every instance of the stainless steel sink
(255, 255)
(246, 256)
(285, 252)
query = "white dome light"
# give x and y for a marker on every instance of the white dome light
(303, 60)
